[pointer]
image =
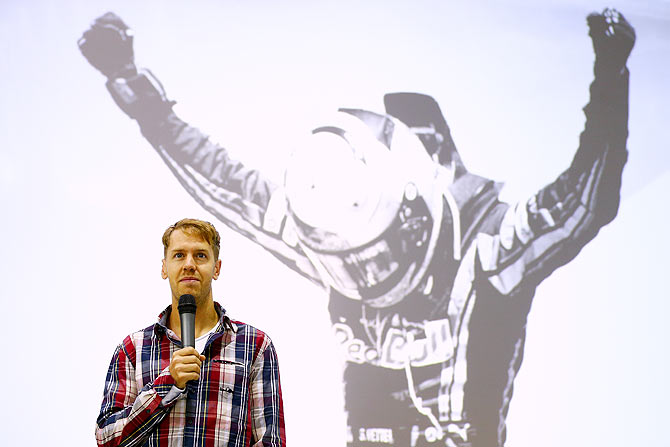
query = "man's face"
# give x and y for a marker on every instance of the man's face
(190, 266)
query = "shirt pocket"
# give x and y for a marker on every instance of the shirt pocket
(229, 381)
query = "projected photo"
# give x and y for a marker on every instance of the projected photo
(430, 275)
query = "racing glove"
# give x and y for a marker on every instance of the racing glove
(613, 39)
(108, 46)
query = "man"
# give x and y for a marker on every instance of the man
(223, 392)
(430, 276)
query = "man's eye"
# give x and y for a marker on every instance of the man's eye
(202, 255)
(178, 255)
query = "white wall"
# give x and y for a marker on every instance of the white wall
(85, 199)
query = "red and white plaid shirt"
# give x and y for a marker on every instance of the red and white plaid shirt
(236, 402)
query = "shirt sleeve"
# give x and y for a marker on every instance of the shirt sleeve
(266, 406)
(128, 415)
(534, 237)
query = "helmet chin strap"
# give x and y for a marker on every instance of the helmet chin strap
(445, 178)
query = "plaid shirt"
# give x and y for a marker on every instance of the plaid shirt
(236, 402)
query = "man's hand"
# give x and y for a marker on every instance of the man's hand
(613, 39)
(185, 365)
(108, 46)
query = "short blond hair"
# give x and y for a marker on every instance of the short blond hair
(198, 227)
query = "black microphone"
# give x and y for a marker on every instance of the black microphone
(187, 308)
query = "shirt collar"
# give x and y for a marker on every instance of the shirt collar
(224, 320)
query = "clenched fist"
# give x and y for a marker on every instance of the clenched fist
(613, 39)
(185, 365)
(108, 46)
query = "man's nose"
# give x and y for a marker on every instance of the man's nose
(189, 263)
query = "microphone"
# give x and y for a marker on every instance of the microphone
(187, 319)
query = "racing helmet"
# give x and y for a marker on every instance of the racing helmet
(363, 197)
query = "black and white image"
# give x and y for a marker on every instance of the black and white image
(454, 214)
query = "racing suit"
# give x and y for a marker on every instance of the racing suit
(464, 326)
(437, 367)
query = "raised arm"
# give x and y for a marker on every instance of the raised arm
(238, 196)
(525, 243)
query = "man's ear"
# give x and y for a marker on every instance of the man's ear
(217, 269)
(164, 274)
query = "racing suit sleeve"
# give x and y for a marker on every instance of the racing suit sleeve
(266, 404)
(533, 238)
(128, 415)
(238, 196)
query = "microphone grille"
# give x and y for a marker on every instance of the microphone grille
(186, 304)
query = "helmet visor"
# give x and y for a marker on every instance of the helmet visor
(370, 270)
